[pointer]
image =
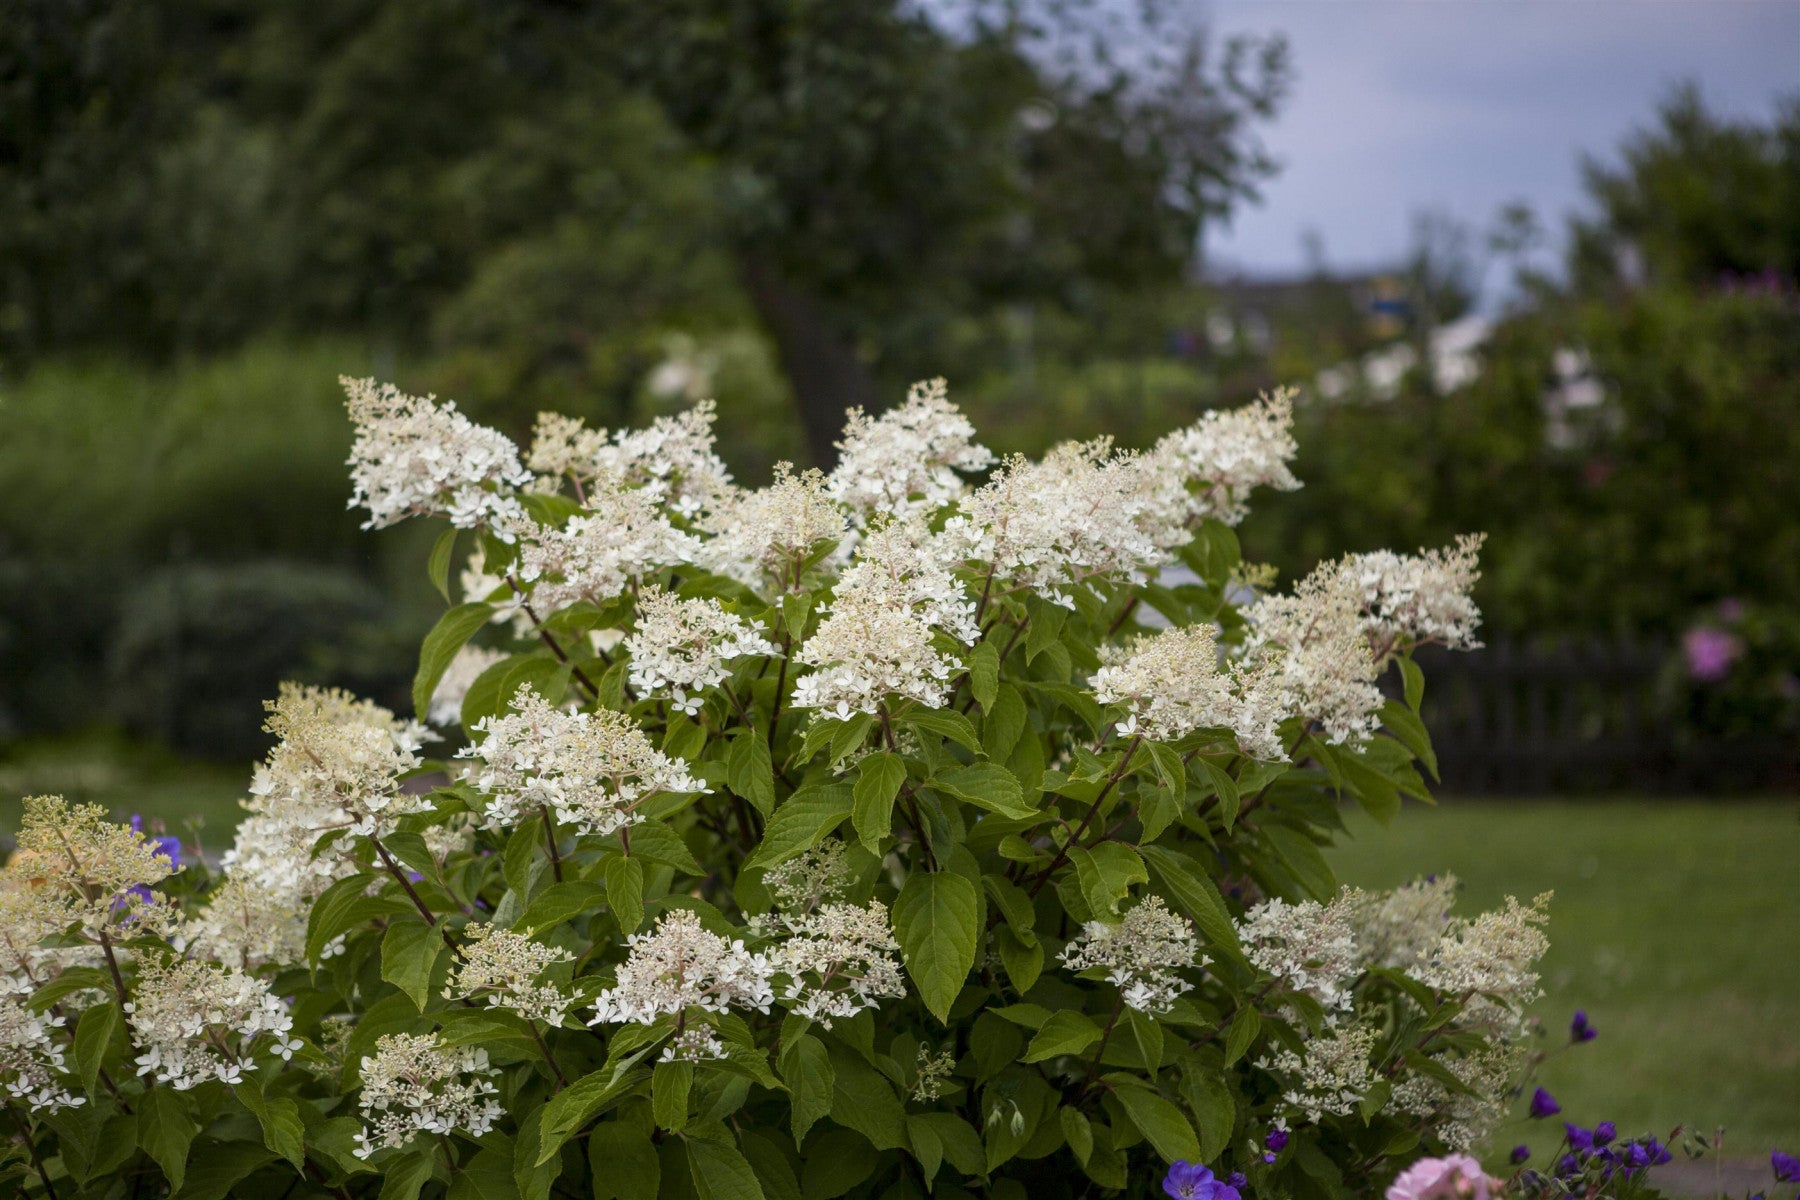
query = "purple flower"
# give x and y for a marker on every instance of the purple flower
(141, 891)
(1580, 1140)
(1237, 1180)
(1520, 1153)
(1605, 1132)
(1580, 1030)
(1191, 1181)
(1277, 1140)
(1710, 653)
(1543, 1104)
(1785, 1166)
(166, 845)
(1569, 1165)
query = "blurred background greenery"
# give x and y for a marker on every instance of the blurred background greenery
(209, 210)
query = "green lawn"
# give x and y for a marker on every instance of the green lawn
(1676, 925)
(126, 778)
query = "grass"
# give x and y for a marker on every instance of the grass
(1676, 926)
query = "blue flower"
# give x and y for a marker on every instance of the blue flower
(1785, 1166)
(1580, 1030)
(1520, 1153)
(1580, 1140)
(1543, 1104)
(1191, 1181)
(1605, 1132)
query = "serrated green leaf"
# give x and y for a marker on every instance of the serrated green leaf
(986, 785)
(165, 1131)
(1022, 963)
(1246, 1023)
(802, 821)
(219, 1166)
(453, 629)
(1405, 725)
(1169, 767)
(721, 1172)
(984, 675)
(937, 922)
(625, 892)
(1066, 1032)
(806, 1069)
(749, 771)
(657, 843)
(863, 1099)
(878, 780)
(592, 1094)
(944, 722)
(1413, 681)
(279, 1116)
(93, 1035)
(1161, 1123)
(1149, 1037)
(342, 907)
(437, 567)
(494, 689)
(1077, 1132)
(623, 1161)
(670, 1085)
(404, 1177)
(1215, 1110)
(1004, 724)
(559, 902)
(409, 952)
(1013, 905)
(1225, 788)
(1184, 884)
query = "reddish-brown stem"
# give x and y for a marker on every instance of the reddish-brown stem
(1062, 855)
(31, 1145)
(393, 868)
(550, 840)
(1124, 616)
(544, 1049)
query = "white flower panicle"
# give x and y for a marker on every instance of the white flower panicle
(1464, 1120)
(1141, 953)
(413, 457)
(251, 921)
(591, 770)
(412, 1084)
(682, 966)
(1413, 599)
(33, 1065)
(1491, 959)
(1308, 947)
(623, 539)
(1226, 454)
(680, 647)
(673, 460)
(565, 446)
(762, 538)
(30, 913)
(899, 562)
(1332, 1077)
(1401, 928)
(338, 762)
(74, 865)
(447, 699)
(1314, 646)
(1173, 682)
(809, 879)
(867, 650)
(1078, 514)
(837, 961)
(906, 460)
(195, 1021)
(505, 968)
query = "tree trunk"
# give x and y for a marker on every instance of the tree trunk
(819, 361)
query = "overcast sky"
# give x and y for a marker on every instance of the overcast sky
(1464, 105)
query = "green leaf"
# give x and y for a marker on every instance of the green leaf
(165, 1131)
(937, 921)
(986, 785)
(218, 1166)
(409, 951)
(440, 646)
(806, 1069)
(536, 1163)
(625, 892)
(1379, 797)
(623, 1161)
(1149, 1037)
(1046, 626)
(863, 1099)
(1169, 767)
(495, 689)
(520, 853)
(773, 1170)
(944, 722)
(437, 567)
(1023, 963)
(402, 1178)
(279, 1116)
(670, 1085)
(487, 1176)
(1413, 680)
(1302, 856)
(1215, 1111)
(1404, 724)
(838, 1161)
(1195, 894)
(1005, 722)
(93, 1034)
(962, 1145)
(1014, 906)
(878, 780)
(1161, 1122)
(1225, 788)
(1106, 873)
(984, 675)
(1246, 1023)
(1066, 1032)
(1077, 1132)
(657, 843)
(926, 1146)
(558, 903)
(802, 821)
(342, 907)
(749, 772)
(590, 1095)
(721, 1172)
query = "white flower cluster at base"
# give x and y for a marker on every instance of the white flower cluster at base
(1141, 953)
(681, 966)
(196, 1021)
(413, 1085)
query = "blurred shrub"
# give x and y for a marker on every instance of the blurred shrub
(194, 642)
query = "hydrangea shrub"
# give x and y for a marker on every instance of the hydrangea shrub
(938, 825)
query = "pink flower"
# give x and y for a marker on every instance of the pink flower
(1710, 653)
(1455, 1177)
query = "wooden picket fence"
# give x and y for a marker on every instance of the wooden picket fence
(1538, 718)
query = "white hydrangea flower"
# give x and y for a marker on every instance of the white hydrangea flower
(899, 562)
(505, 967)
(1078, 514)
(413, 1084)
(680, 647)
(338, 763)
(591, 770)
(762, 538)
(29, 913)
(1141, 952)
(1332, 1077)
(673, 460)
(565, 446)
(906, 460)
(75, 866)
(867, 650)
(1464, 1120)
(837, 961)
(33, 1065)
(1173, 682)
(1222, 457)
(1308, 947)
(682, 966)
(195, 1021)
(624, 539)
(1492, 960)
(1401, 928)
(453, 688)
(251, 922)
(478, 587)
(810, 878)
(1413, 599)
(1313, 642)
(413, 457)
